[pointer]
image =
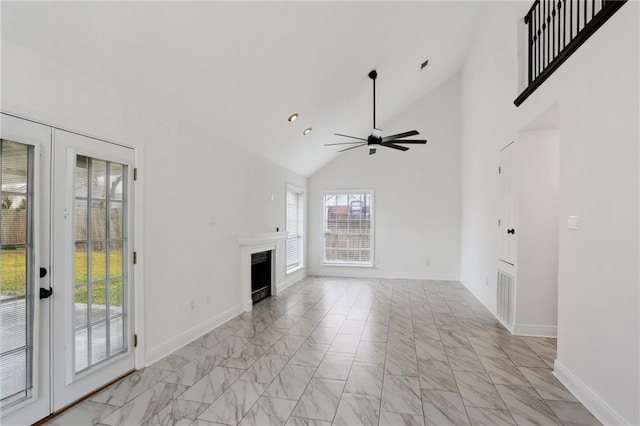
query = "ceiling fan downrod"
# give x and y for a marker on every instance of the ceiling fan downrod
(373, 75)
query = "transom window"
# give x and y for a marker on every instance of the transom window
(294, 222)
(348, 228)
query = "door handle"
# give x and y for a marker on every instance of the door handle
(44, 293)
(511, 231)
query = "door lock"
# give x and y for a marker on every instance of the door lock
(511, 231)
(45, 294)
(43, 272)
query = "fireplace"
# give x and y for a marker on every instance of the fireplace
(260, 276)
(271, 242)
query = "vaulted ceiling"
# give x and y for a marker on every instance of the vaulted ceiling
(240, 68)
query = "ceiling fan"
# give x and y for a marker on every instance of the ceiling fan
(375, 138)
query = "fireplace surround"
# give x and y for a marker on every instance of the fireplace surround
(256, 243)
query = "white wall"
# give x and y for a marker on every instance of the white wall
(200, 193)
(416, 194)
(597, 95)
(537, 190)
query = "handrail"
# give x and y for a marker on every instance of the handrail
(552, 36)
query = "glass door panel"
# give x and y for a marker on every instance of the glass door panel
(100, 242)
(16, 273)
(24, 215)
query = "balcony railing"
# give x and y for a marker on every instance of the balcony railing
(556, 29)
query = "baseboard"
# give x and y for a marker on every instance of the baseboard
(535, 330)
(294, 278)
(175, 343)
(360, 272)
(587, 397)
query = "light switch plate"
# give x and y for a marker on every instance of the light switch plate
(573, 222)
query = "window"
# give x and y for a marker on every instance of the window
(348, 228)
(294, 223)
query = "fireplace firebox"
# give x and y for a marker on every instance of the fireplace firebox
(260, 276)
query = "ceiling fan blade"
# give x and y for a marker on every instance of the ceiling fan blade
(340, 143)
(352, 137)
(409, 141)
(351, 147)
(372, 151)
(390, 145)
(400, 135)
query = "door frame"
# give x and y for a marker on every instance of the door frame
(137, 279)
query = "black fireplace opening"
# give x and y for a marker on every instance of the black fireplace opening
(260, 276)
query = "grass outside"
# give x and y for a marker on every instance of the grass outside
(13, 269)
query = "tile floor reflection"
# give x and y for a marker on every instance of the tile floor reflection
(347, 351)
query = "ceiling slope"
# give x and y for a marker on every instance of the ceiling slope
(240, 68)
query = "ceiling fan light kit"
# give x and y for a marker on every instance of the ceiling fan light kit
(376, 138)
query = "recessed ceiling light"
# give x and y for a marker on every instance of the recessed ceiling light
(306, 131)
(293, 117)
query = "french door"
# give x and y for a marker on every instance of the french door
(24, 250)
(92, 255)
(67, 274)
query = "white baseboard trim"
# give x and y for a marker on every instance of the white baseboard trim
(175, 343)
(360, 272)
(535, 330)
(589, 398)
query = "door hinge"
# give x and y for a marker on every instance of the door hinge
(135, 258)
(135, 173)
(135, 340)
(499, 170)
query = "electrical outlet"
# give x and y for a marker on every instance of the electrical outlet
(193, 305)
(427, 262)
(486, 281)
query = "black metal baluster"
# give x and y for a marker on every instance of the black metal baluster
(539, 25)
(570, 20)
(553, 25)
(528, 23)
(534, 34)
(544, 35)
(593, 8)
(548, 37)
(538, 37)
(564, 25)
(559, 25)
(578, 16)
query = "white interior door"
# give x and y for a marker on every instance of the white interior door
(25, 149)
(92, 265)
(506, 228)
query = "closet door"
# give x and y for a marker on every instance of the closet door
(506, 229)
(93, 265)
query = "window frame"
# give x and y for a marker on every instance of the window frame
(301, 224)
(368, 191)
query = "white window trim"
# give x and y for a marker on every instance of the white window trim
(373, 227)
(294, 188)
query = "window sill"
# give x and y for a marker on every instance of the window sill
(353, 265)
(292, 270)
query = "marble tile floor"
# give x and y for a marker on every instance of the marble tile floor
(347, 351)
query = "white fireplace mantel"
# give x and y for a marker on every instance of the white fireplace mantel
(256, 243)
